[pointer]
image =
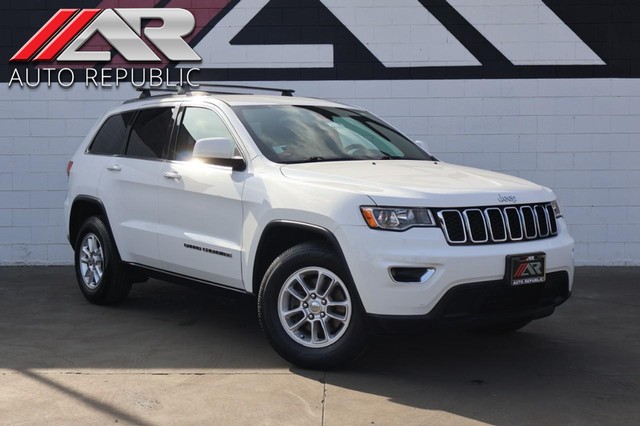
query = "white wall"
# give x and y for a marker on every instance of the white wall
(579, 137)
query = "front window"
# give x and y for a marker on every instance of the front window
(198, 123)
(302, 133)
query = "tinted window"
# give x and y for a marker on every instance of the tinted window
(198, 123)
(111, 137)
(150, 133)
(298, 133)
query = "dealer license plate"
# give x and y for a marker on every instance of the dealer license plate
(526, 269)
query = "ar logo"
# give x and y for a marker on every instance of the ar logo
(61, 38)
(528, 269)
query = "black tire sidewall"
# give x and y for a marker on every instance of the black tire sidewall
(348, 346)
(96, 226)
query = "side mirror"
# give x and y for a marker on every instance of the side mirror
(423, 146)
(218, 151)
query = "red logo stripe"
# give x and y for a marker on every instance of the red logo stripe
(43, 35)
(67, 34)
(521, 269)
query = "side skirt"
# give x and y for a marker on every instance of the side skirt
(183, 280)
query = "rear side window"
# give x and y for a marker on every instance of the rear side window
(151, 133)
(111, 137)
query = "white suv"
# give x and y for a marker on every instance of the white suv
(338, 223)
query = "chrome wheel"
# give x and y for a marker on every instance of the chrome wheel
(314, 307)
(91, 261)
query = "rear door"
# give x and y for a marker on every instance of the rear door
(129, 186)
(200, 205)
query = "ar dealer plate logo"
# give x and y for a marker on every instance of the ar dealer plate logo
(62, 37)
(527, 269)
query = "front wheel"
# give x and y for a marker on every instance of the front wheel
(308, 308)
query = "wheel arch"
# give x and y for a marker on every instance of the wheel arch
(280, 235)
(83, 207)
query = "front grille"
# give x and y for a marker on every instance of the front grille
(491, 225)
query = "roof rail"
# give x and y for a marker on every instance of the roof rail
(283, 92)
(178, 89)
(145, 92)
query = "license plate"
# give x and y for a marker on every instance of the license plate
(526, 269)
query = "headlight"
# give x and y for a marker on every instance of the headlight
(396, 218)
(556, 209)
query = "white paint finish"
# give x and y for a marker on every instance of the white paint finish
(592, 190)
(527, 32)
(216, 51)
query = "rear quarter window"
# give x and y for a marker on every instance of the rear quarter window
(111, 137)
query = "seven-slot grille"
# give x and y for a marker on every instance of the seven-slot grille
(490, 225)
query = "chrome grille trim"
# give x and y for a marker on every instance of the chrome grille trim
(511, 237)
(443, 223)
(541, 211)
(498, 224)
(553, 228)
(468, 226)
(525, 228)
(504, 226)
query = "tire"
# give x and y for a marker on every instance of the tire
(101, 276)
(329, 327)
(504, 327)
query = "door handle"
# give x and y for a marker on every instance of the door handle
(114, 168)
(172, 175)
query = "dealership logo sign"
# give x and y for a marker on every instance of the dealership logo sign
(62, 37)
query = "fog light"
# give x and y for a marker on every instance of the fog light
(411, 275)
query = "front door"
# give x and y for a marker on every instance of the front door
(200, 206)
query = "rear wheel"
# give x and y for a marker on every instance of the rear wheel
(309, 310)
(101, 276)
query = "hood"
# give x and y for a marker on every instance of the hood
(420, 183)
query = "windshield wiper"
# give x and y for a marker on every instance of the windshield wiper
(387, 156)
(318, 159)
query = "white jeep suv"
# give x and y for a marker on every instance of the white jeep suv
(338, 223)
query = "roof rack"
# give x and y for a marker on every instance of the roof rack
(283, 92)
(145, 92)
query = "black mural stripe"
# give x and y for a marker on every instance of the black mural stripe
(421, 73)
(308, 23)
(467, 34)
(205, 30)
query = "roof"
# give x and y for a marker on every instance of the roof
(237, 99)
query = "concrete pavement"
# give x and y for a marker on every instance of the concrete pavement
(173, 355)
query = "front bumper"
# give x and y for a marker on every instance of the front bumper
(484, 303)
(370, 253)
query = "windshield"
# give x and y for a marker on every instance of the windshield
(302, 133)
